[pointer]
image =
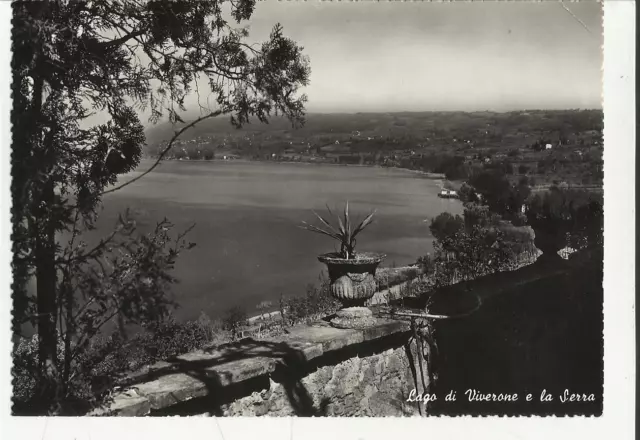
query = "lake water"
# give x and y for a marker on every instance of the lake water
(248, 246)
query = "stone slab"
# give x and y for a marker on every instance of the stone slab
(126, 404)
(172, 389)
(329, 337)
(385, 327)
(242, 369)
(299, 349)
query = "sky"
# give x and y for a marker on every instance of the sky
(421, 56)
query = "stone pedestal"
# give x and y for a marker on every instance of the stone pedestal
(353, 318)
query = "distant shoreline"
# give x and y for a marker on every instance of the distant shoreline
(438, 178)
(442, 182)
(435, 176)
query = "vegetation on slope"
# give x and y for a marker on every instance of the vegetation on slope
(548, 147)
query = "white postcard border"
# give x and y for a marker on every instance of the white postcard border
(619, 283)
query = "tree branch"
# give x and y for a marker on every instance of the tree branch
(165, 151)
(120, 41)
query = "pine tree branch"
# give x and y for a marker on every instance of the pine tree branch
(165, 151)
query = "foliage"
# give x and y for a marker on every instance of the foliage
(467, 194)
(453, 168)
(234, 319)
(576, 216)
(317, 302)
(445, 224)
(469, 254)
(29, 393)
(389, 276)
(125, 277)
(429, 142)
(477, 244)
(171, 338)
(499, 167)
(480, 215)
(208, 153)
(264, 305)
(486, 243)
(343, 233)
(105, 363)
(494, 188)
(194, 154)
(180, 154)
(498, 193)
(72, 60)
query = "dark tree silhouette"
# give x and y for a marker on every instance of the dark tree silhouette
(73, 59)
(566, 217)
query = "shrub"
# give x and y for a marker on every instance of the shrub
(498, 193)
(519, 219)
(131, 288)
(172, 339)
(194, 154)
(208, 154)
(480, 215)
(572, 214)
(179, 154)
(485, 244)
(31, 394)
(470, 254)
(445, 225)
(316, 303)
(467, 194)
(102, 365)
(235, 318)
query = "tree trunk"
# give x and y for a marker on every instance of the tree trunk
(45, 253)
(122, 329)
(43, 198)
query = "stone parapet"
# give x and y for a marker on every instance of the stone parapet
(313, 369)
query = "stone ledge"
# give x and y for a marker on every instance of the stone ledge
(202, 372)
(125, 404)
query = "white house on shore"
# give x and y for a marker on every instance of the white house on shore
(448, 194)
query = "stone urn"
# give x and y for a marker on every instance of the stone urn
(352, 282)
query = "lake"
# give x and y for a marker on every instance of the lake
(248, 246)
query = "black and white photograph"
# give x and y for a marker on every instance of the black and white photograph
(236, 208)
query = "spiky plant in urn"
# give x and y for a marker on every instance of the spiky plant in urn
(351, 273)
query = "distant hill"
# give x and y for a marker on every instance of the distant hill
(418, 124)
(550, 147)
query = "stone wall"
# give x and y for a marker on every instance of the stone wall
(377, 385)
(313, 370)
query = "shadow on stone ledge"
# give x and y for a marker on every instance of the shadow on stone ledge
(275, 376)
(247, 357)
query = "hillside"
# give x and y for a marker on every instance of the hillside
(416, 124)
(551, 147)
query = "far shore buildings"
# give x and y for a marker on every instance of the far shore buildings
(448, 194)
